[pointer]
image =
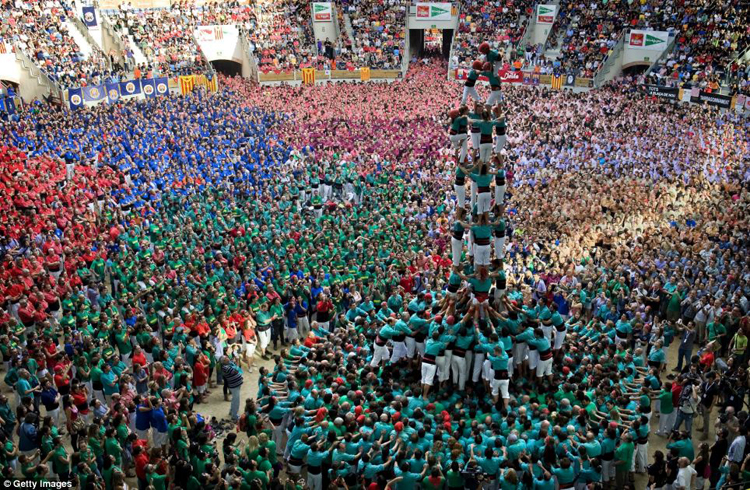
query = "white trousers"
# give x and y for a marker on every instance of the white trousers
(484, 200)
(485, 152)
(458, 364)
(500, 141)
(460, 194)
(264, 338)
(460, 141)
(481, 254)
(500, 193)
(428, 373)
(494, 97)
(478, 362)
(380, 354)
(456, 248)
(475, 138)
(470, 92)
(500, 247)
(399, 351)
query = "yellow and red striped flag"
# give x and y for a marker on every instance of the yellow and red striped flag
(187, 83)
(557, 81)
(308, 76)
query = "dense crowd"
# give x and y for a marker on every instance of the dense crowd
(502, 26)
(41, 31)
(708, 37)
(166, 38)
(379, 30)
(284, 37)
(453, 296)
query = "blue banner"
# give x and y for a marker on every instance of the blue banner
(149, 87)
(131, 87)
(113, 92)
(93, 94)
(89, 16)
(75, 97)
(8, 104)
(162, 86)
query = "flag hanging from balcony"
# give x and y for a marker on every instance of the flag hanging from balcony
(186, 84)
(364, 74)
(308, 76)
(557, 81)
(213, 84)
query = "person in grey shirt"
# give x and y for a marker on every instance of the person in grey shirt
(687, 338)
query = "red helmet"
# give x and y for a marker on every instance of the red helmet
(484, 48)
(477, 65)
(453, 113)
(487, 66)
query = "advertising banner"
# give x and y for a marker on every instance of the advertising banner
(322, 11)
(433, 11)
(655, 40)
(710, 98)
(667, 93)
(545, 14)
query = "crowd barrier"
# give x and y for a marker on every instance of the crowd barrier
(352, 75)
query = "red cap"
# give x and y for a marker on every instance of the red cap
(438, 319)
(360, 419)
(396, 416)
(308, 383)
(430, 407)
(447, 426)
(450, 320)
(428, 297)
(566, 370)
(477, 65)
(484, 48)
(399, 426)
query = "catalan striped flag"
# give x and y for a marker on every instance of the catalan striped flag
(187, 83)
(308, 76)
(213, 84)
(557, 81)
(218, 33)
(364, 73)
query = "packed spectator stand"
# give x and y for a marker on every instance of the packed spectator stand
(40, 30)
(503, 26)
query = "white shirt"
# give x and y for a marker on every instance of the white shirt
(685, 478)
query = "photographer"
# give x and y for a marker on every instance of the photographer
(688, 405)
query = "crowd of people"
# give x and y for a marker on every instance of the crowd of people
(41, 31)
(503, 26)
(379, 31)
(166, 37)
(708, 37)
(453, 296)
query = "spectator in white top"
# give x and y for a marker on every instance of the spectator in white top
(685, 475)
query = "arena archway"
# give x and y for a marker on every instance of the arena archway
(227, 67)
